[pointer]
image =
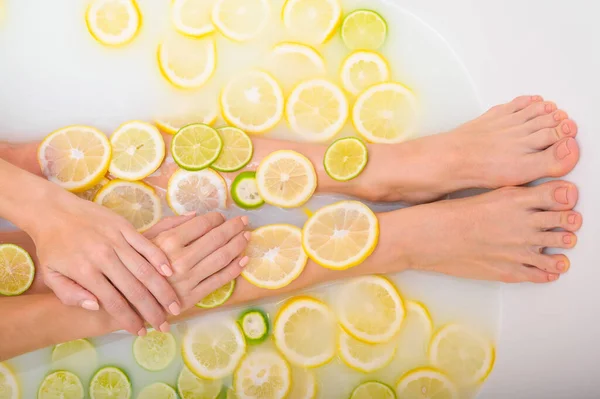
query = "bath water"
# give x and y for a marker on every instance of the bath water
(54, 74)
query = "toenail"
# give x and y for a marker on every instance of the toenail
(549, 108)
(559, 116)
(552, 277)
(562, 266)
(563, 150)
(561, 195)
(567, 239)
(566, 129)
(536, 98)
(572, 219)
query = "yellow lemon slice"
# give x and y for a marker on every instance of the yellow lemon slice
(317, 110)
(75, 157)
(138, 149)
(363, 69)
(461, 353)
(241, 20)
(206, 113)
(187, 62)
(61, 385)
(192, 17)
(363, 356)
(202, 191)
(341, 235)
(237, 150)
(16, 270)
(304, 332)
(213, 347)
(296, 62)
(262, 374)
(252, 101)
(89, 194)
(385, 113)
(304, 384)
(135, 201)
(113, 22)
(426, 383)
(191, 386)
(364, 29)
(345, 158)
(286, 179)
(370, 309)
(311, 21)
(415, 335)
(371, 390)
(8, 383)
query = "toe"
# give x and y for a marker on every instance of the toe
(555, 161)
(544, 138)
(551, 263)
(545, 121)
(533, 111)
(532, 274)
(564, 240)
(551, 196)
(515, 105)
(567, 220)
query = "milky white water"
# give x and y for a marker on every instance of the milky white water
(54, 74)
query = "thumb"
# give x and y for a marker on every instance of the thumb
(69, 292)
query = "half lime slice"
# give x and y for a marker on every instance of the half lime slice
(237, 150)
(244, 191)
(255, 325)
(217, 297)
(196, 146)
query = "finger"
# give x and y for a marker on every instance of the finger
(167, 223)
(219, 279)
(148, 250)
(199, 226)
(220, 258)
(69, 292)
(213, 240)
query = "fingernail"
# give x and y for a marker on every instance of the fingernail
(245, 220)
(247, 235)
(562, 266)
(566, 128)
(572, 219)
(166, 270)
(549, 108)
(90, 305)
(164, 327)
(244, 261)
(561, 195)
(142, 332)
(567, 239)
(174, 309)
(553, 277)
(189, 213)
(563, 150)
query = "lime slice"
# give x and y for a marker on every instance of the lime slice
(237, 150)
(196, 146)
(244, 191)
(255, 325)
(9, 388)
(110, 382)
(191, 386)
(61, 385)
(373, 389)
(364, 30)
(345, 159)
(227, 393)
(16, 270)
(74, 354)
(217, 297)
(158, 390)
(154, 351)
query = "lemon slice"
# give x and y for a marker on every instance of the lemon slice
(202, 191)
(8, 383)
(213, 347)
(196, 146)
(61, 385)
(370, 309)
(311, 21)
(74, 355)
(186, 62)
(192, 17)
(252, 101)
(241, 20)
(135, 201)
(237, 150)
(296, 62)
(262, 374)
(364, 30)
(154, 351)
(275, 256)
(138, 149)
(89, 194)
(416, 332)
(345, 158)
(217, 297)
(373, 389)
(16, 270)
(304, 384)
(304, 332)
(244, 191)
(110, 382)
(113, 22)
(341, 235)
(461, 353)
(426, 383)
(192, 387)
(362, 356)
(75, 157)
(363, 69)
(206, 113)
(158, 390)
(286, 179)
(385, 113)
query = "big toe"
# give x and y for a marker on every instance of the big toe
(556, 195)
(555, 161)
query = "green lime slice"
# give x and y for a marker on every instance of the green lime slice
(244, 191)
(345, 158)
(110, 382)
(237, 150)
(158, 390)
(373, 389)
(196, 146)
(364, 30)
(61, 385)
(217, 297)
(155, 351)
(255, 325)
(190, 386)
(76, 354)
(16, 270)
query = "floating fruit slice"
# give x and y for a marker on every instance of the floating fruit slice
(135, 201)
(364, 30)
(296, 62)
(110, 382)
(89, 194)
(370, 309)
(8, 383)
(363, 69)
(262, 374)
(252, 101)
(341, 235)
(385, 113)
(75, 157)
(191, 386)
(138, 149)
(202, 191)
(415, 334)
(426, 383)
(304, 332)
(304, 384)
(16, 270)
(196, 146)
(74, 354)
(244, 191)
(237, 150)
(363, 356)
(276, 256)
(113, 22)
(192, 17)
(255, 325)
(61, 385)
(461, 353)
(286, 179)
(345, 159)
(213, 347)
(311, 21)
(186, 62)
(158, 390)
(206, 113)
(373, 389)
(154, 351)
(241, 20)
(217, 297)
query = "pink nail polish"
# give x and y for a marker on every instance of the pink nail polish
(247, 236)
(90, 305)
(244, 261)
(561, 195)
(245, 220)
(164, 327)
(142, 332)
(572, 219)
(166, 270)
(567, 239)
(174, 309)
